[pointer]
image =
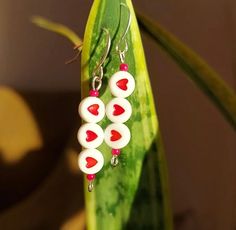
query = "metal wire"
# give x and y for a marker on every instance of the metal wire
(114, 161)
(123, 38)
(98, 70)
(90, 186)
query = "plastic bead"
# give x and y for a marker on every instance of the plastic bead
(124, 67)
(90, 135)
(118, 110)
(93, 93)
(91, 177)
(117, 135)
(92, 109)
(122, 84)
(90, 161)
(115, 152)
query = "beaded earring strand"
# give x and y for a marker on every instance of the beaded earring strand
(90, 135)
(119, 110)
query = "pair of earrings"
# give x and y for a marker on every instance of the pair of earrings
(92, 110)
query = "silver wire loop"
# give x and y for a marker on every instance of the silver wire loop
(114, 161)
(98, 71)
(96, 83)
(90, 186)
(123, 40)
(122, 55)
(97, 80)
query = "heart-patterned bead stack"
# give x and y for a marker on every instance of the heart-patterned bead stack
(90, 135)
(118, 111)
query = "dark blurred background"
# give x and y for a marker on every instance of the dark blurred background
(40, 186)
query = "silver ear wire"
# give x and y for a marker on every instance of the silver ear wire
(98, 71)
(123, 38)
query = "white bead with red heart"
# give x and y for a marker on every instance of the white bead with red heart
(122, 84)
(90, 161)
(117, 135)
(92, 109)
(90, 135)
(118, 110)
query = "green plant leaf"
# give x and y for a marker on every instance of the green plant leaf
(57, 28)
(196, 68)
(134, 195)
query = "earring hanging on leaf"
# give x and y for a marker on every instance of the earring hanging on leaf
(90, 134)
(119, 110)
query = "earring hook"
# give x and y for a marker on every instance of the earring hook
(98, 71)
(123, 37)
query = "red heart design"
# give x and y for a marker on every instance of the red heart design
(91, 136)
(93, 109)
(118, 110)
(122, 84)
(115, 135)
(90, 162)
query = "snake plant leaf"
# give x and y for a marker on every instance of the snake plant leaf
(57, 28)
(133, 195)
(197, 69)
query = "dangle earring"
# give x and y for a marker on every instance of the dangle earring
(90, 134)
(119, 110)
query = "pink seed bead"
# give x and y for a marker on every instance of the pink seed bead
(91, 177)
(93, 93)
(115, 152)
(124, 67)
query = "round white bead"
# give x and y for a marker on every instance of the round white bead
(92, 109)
(90, 161)
(122, 84)
(90, 135)
(118, 110)
(117, 135)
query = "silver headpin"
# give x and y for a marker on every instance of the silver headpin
(90, 186)
(114, 161)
